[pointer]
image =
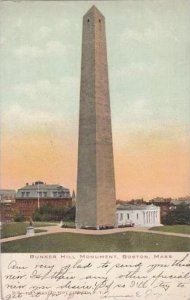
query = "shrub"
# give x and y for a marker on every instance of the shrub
(70, 214)
(19, 217)
(49, 213)
(36, 216)
(46, 217)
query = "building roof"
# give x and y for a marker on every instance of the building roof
(7, 191)
(136, 207)
(178, 202)
(41, 185)
(42, 190)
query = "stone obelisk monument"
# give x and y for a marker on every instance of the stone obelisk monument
(95, 199)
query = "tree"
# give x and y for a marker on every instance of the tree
(181, 215)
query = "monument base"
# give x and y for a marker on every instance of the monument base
(30, 231)
(98, 227)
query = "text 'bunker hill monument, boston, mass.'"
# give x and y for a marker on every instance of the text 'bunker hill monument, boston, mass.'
(96, 199)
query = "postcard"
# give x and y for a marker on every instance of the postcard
(95, 150)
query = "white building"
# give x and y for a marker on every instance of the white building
(139, 215)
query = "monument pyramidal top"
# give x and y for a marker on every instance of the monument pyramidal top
(94, 11)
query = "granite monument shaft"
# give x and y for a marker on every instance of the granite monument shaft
(96, 200)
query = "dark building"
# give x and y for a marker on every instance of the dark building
(7, 201)
(39, 194)
(7, 211)
(165, 205)
(133, 201)
(6, 194)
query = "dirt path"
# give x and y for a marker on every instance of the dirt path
(57, 229)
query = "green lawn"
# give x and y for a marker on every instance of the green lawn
(41, 224)
(173, 228)
(17, 228)
(118, 242)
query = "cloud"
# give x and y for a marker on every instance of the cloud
(134, 113)
(63, 24)
(51, 47)
(3, 40)
(34, 88)
(43, 104)
(134, 69)
(19, 23)
(44, 31)
(46, 94)
(139, 35)
(154, 31)
(18, 119)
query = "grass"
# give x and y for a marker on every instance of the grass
(173, 228)
(19, 228)
(118, 242)
(41, 224)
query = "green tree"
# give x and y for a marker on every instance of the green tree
(181, 215)
(18, 217)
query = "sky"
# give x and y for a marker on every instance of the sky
(149, 76)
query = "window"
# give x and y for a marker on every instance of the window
(27, 194)
(88, 20)
(143, 217)
(40, 194)
(45, 194)
(23, 194)
(121, 216)
(99, 21)
(137, 216)
(127, 216)
(54, 194)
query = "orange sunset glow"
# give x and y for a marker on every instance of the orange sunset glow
(144, 168)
